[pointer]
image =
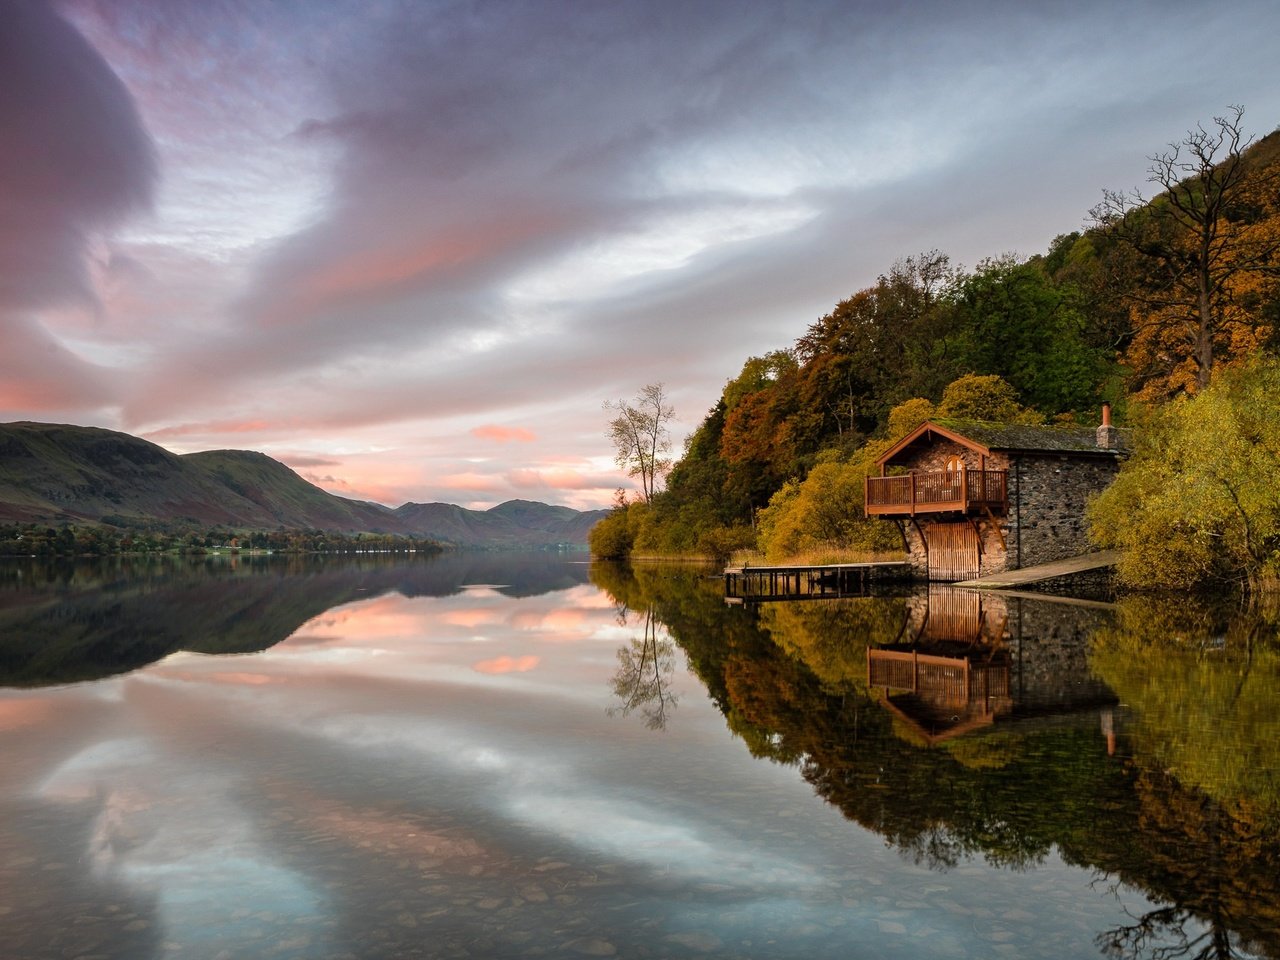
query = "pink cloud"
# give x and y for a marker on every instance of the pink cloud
(507, 665)
(559, 478)
(40, 377)
(304, 460)
(471, 483)
(470, 618)
(210, 427)
(503, 434)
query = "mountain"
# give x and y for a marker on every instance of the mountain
(58, 473)
(511, 524)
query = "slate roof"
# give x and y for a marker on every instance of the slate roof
(1021, 436)
(1011, 437)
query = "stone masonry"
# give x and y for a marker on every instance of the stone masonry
(1047, 495)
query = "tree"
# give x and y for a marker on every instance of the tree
(823, 514)
(974, 397)
(641, 434)
(1013, 320)
(878, 347)
(1201, 240)
(1198, 500)
(643, 680)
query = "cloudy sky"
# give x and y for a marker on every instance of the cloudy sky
(408, 247)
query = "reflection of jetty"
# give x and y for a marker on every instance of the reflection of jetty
(808, 582)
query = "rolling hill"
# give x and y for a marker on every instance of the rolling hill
(57, 474)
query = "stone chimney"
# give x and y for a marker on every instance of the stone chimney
(1108, 436)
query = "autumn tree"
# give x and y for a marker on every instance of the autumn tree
(641, 435)
(984, 397)
(1198, 500)
(1201, 243)
(757, 442)
(878, 347)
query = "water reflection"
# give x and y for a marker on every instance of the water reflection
(70, 621)
(1140, 741)
(646, 665)
(421, 762)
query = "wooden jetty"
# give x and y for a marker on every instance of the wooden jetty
(809, 582)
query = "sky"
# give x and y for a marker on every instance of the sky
(409, 247)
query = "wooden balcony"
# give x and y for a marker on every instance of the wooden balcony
(952, 491)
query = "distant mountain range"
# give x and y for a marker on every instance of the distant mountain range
(56, 474)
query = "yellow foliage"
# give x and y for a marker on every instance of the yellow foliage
(1198, 500)
(825, 511)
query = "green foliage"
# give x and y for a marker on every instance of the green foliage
(989, 397)
(1014, 321)
(759, 373)
(1202, 688)
(908, 415)
(1198, 500)
(614, 535)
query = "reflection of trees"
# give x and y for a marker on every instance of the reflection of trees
(1201, 686)
(831, 637)
(1184, 812)
(643, 680)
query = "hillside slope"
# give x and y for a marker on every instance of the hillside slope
(57, 473)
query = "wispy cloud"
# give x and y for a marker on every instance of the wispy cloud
(425, 241)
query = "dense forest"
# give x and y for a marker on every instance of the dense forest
(1166, 306)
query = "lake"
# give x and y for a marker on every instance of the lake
(486, 755)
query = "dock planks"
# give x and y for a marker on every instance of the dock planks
(808, 582)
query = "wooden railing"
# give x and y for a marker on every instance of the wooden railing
(944, 681)
(958, 490)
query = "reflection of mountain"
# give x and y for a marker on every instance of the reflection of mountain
(792, 682)
(64, 623)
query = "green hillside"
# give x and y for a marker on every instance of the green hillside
(57, 474)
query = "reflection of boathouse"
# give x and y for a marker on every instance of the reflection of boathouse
(966, 659)
(978, 498)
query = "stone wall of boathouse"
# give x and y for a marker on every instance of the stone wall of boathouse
(1048, 494)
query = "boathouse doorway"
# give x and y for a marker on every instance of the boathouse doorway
(954, 551)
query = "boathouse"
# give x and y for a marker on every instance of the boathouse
(975, 498)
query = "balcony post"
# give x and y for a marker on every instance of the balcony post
(913, 493)
(964, 488)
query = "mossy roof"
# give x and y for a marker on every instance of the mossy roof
(1023, 436)
(1011, 437)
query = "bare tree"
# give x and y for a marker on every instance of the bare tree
(1194, 236)
(641, 434)
(643, 680)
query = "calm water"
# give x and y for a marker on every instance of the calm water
(487, 756)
